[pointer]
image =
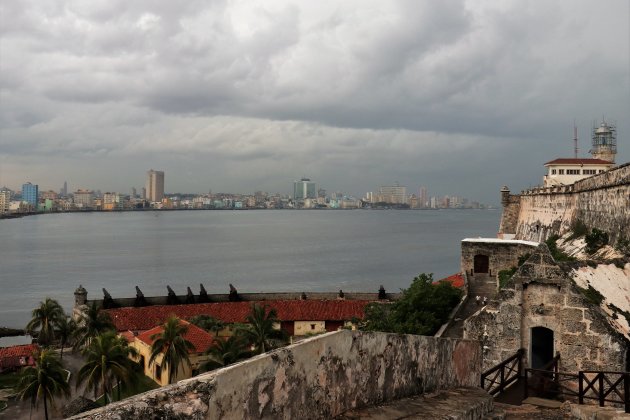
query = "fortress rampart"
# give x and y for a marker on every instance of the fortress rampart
(601, 201)
(320, 377)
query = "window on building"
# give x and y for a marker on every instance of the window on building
(560, 171)
(312, 326)
(601, 171)
(573, 171)
(589, 171)
(553, 172)
(158, 372)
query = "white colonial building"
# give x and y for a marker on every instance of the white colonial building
(567, 171)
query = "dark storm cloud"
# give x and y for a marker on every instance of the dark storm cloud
(354, 94)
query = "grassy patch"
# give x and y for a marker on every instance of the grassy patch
(592, 295)
(578, 229)
(505, 276)
(623, 246)
(9, 380)
(556, 253)
(595, 240)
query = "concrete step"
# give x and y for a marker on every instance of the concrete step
(452, 404)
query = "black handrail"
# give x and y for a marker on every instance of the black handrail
(499, 377)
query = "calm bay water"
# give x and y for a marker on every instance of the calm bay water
(266, 250)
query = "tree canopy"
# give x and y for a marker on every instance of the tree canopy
(422, 309)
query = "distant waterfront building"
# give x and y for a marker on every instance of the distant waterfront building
(5, 200)
(155, 186)
(394, 194)
(422, 197)
(303, 189)
(84, 199)
(30, 194)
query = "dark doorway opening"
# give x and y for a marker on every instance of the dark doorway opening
(481, 264)
(541, 347)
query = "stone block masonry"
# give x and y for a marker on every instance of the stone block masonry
(601, 201)
(318, 378)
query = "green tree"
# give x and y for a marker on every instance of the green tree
(45, 318)
(260, 331)
(225, 352)
(208, 323)
(422, 309)
(65, 331)
(46, 380)
(91, 324)
(107, 360)
(174, 347)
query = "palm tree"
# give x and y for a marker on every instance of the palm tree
(91, 324)
(45, 318)
(107, 359)
(173, 346)
(47, 379)
(225, 352)
(65, 331)
(260, 329)
(208, 323)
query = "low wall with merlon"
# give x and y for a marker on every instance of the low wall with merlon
(318, 378)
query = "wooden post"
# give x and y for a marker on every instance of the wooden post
(600, 393)
(626, 391)
(526, 390)
(581, 387)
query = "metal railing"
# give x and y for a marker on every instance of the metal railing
(495, 380)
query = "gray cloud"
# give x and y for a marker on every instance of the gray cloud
(244, 96)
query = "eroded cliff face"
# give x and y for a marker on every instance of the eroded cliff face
(612, 286)
(601, 201)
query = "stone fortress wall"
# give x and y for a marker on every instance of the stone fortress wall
(601, 201)
(320, 377)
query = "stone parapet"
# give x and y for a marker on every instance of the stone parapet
(318, 378)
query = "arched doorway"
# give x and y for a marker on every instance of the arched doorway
(481, 264)
(541, 347)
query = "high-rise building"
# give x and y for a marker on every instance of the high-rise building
(303, 189)
(422, 197)
(394, 194)
(84, 199)
(30, 194)
(5, 199)
(155, 186)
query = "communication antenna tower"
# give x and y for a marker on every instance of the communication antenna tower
(575, 141)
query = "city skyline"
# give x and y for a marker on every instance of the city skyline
(463, 96)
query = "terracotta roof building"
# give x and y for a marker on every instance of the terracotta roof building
(295, 315)
(16, 357)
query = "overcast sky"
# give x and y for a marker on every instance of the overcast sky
(239, 96)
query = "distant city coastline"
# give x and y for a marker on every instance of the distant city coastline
(306, 195)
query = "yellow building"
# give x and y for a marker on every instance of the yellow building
(200, 339)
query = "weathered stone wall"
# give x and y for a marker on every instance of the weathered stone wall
(502, 254)
(509, 217)
(247, 297)
(317, 378)
(540, 294)
(601, 201)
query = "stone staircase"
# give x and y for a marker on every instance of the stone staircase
(479, 285)
(452, 404)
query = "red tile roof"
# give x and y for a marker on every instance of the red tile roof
(200, 338)
(139, 319)
(570, 161)
(457, 280)
(17, 356)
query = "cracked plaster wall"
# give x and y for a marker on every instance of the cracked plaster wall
(318, 378)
